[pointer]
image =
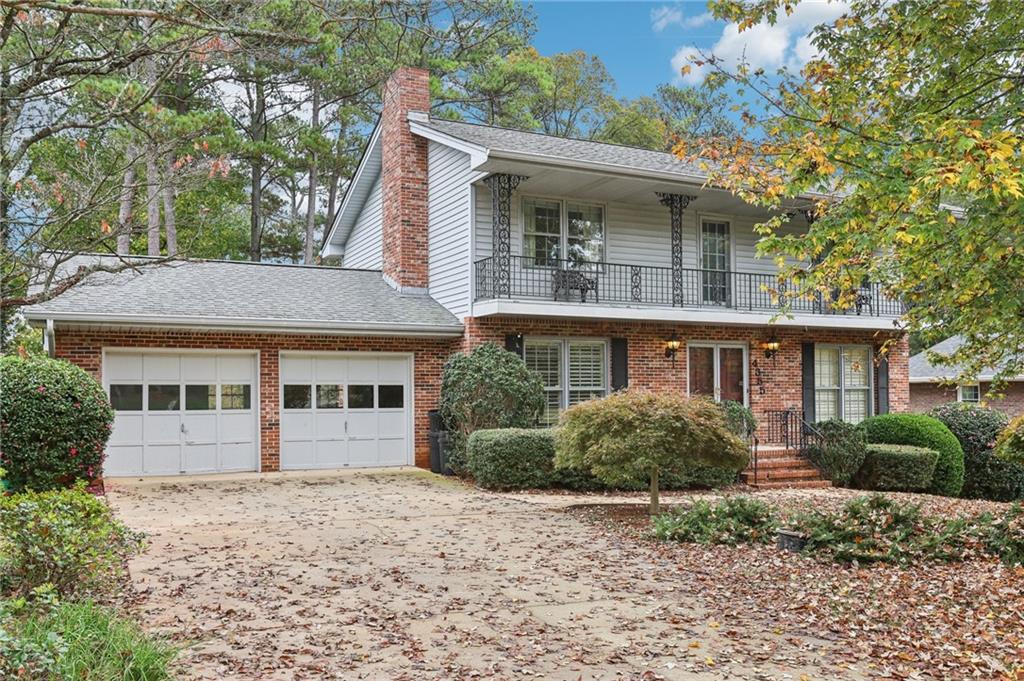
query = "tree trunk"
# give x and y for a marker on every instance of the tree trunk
(307, 254)
(170, 222)
(258, 124)
(332, 199)
(655, 497)
(152, 201)
(124, 211)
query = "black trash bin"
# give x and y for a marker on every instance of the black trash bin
(434, 419)
(442, 453)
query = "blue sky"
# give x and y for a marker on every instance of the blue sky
(644, 43)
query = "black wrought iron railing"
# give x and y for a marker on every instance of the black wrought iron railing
(648, 285)
(787, 428)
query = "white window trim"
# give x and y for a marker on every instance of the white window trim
(563, 220)
(841, 405)
(960, 393)
(717, 366)
(563, 374)
(712, 217)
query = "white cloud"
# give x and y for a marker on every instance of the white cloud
(699, 20)
(786, 43)
(663, 17)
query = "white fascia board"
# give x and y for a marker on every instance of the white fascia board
(489, 308)
(935, 380)
(356, 178)
(477, 154)
(264, 325)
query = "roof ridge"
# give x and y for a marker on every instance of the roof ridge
(296, 265)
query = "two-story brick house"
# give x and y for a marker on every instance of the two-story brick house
(603, 266)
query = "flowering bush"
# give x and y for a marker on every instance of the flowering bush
(55, 420)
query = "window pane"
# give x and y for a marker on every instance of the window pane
(390, 396)
(586, 366)
(164, 397)
(542, 231)
(126, 397)
(826, 404)
(554, 405)
(826, 368)
(545, 357)
(855, 405)
(856, 365)
(297, 396)
(586, 233)
(235, 396)
(200, 397)
(329, 396)
(360, 397)
(714, 245)
(730, 375)
(970, 393)
(702, 371)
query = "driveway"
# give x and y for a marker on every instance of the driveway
(406, 575)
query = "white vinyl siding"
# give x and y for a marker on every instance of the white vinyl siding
(365, 249)
(449, 232)
(572, 371)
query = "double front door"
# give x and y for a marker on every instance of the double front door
(718, 370)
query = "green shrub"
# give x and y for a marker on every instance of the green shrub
(839, 452)
(511, 458)
(80, 641)
(635, 434)
(739, 419)
(487, 388)
(896, 468)
(986, 476)
(732, 521)
(921, 430)
(1010, 443)
(876, 528)
(65, 538)
(974, 426)
(55, 420)
(1004, 536)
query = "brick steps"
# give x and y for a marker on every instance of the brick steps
(783, 467)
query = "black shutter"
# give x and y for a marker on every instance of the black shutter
(620, 364)
(882, 385)
(514, 343)
(807, 365)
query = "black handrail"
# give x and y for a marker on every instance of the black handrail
(579, 281)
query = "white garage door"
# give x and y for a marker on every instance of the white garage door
(181, 413)
(345, 411)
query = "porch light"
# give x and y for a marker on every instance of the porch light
(770, 347)
(672, 345)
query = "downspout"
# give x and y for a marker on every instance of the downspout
(50, 339)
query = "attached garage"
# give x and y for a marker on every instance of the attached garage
(345, 410)
(181, 413)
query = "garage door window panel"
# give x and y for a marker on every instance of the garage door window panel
(296, 396)
(235, 396)
(126, 397)
(390, 396)
(163, 397)
(329, 396)
(200, 397)
(360, 396)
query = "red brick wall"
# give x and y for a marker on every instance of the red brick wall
(404, 179)
(774, 384)
(924, 396)
(85, 349)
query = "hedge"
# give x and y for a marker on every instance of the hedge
(1010, 443)
(921, 430)
(518, 458)
(896, 468)
(974, 426)
(839, 452)
(986, 476)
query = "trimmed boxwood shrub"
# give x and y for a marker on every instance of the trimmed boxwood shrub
(897, 468)
(1010, 443)
(986, 476)
(489, 387)
(839, 452)
(739, 419)
(921, 430)
(55, 420)
(511, 458)
(974, 426)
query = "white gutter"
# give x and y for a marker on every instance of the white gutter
(255, 324)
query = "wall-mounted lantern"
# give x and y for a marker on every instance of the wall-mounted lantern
(672, 345)
(770, 347)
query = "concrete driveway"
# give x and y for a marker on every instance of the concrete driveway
(404, 575)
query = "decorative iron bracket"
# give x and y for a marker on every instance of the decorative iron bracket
(676, 203)
(502, 185)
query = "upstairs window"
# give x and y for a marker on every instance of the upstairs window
(562, 230)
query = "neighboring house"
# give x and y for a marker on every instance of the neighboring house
(928, 388)
(603, 266)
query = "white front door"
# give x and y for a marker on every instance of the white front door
(345, 410)
(181, 413)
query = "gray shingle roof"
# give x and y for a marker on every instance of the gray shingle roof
(587, 151)
(922, 370)
(208, 292)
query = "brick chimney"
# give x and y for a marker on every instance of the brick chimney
(404, 181)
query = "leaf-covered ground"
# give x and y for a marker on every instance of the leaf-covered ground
(407, 576)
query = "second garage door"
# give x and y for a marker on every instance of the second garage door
(342, 411)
